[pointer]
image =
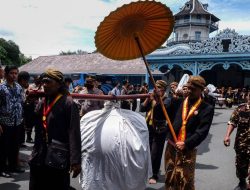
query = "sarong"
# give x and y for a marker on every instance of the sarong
(179, 168)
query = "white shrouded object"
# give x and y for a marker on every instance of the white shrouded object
(183, 81)
(115, 150)
(211, 87)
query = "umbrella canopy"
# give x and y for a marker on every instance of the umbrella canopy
(135, 30)
(150, 21)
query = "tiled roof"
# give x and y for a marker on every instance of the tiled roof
(196, 7)
(86, 63)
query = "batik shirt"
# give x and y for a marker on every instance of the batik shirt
(240, 118)
(11, 101)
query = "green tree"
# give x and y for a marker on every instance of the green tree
(9, 52)
(81, 52)
(3, 54)
(24, 59)
(67, 53)
(78, 52)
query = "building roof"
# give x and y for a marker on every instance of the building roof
(195, 7)
(86, 63)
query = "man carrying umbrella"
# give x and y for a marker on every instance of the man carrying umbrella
(192, 118)
(157, 127)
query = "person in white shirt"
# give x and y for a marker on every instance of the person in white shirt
(116, 91)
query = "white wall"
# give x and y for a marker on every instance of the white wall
(186, 30)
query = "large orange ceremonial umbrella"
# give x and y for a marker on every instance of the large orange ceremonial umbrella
(150, 21)
(133, 31)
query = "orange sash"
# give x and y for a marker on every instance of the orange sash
(150, 114)
(185, 116)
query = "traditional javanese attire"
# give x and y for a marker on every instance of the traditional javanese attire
(191, 122)
(57, 140)
(63, 126)
(157, 128)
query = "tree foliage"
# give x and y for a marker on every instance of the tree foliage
(24, 59)
(78, 52)
(10, 53)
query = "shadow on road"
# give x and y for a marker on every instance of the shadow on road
(217, 114)
(151, 188)
(205, 166)
(9, 186)
(219, 123)
(21, 177)
(204, 147)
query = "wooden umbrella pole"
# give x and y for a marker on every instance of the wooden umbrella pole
(153, 81)
(94, 96)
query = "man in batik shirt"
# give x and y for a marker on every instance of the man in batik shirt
(11, 116)
(240, 119)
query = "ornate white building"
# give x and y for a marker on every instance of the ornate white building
(193, 23)
(223, 60)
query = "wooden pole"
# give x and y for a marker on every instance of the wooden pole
(153, 81)
(94, 96)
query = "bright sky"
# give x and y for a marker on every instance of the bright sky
(47, 27)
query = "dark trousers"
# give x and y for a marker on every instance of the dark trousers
(29, 131)
(134, 105)
(42, 177)
(21, 134)
(242, 164)
(156, 142)
(29, 117)
(9, 147)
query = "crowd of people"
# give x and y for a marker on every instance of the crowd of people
(229, 96)
(55, 118)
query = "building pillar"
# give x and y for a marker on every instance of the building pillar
(196, 68)
(146, 77)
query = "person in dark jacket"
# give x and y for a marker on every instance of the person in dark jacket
(131, 92)
(156, 123)
(125, 104)
(191, 122)
(57, 148)
(23, 81)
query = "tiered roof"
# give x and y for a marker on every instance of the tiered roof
(195, 7)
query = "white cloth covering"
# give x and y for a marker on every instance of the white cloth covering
(183, 81)
(211, 88)
(115, 150)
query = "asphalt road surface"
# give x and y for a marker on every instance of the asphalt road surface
(215, 168)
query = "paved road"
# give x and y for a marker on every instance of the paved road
(214, 169)
(215, 164)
